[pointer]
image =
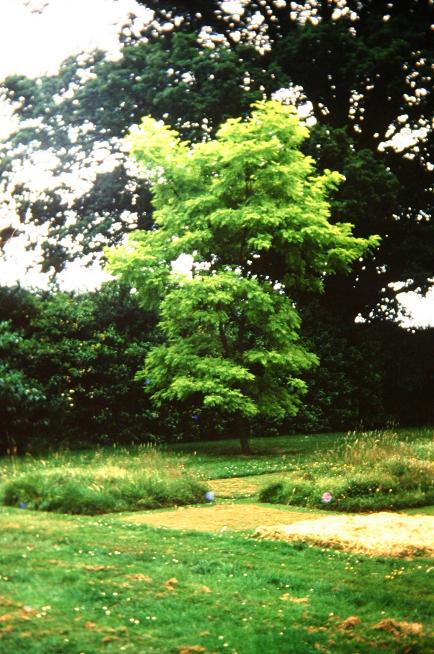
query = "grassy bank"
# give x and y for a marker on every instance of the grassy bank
(376, 470)
(104, 484)
(363, 472)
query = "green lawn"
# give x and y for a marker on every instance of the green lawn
(101, 584)
(206, 459)
(78, 584)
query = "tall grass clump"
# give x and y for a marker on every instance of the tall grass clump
(365, 472)
(155, 481)
(369, 448)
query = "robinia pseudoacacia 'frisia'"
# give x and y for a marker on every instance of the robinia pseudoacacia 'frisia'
(251, 214)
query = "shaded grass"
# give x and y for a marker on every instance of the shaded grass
(221, 459)
(206, 459)
(78, 584)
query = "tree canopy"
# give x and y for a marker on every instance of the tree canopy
(365, 68)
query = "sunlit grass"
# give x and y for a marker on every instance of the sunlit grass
(106, 483)
(71, 584)
(350, 466)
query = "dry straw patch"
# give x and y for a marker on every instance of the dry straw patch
(397, 628)
(216, 518)
(12, 613)
(377, 534)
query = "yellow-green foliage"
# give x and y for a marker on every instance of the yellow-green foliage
(252, 213)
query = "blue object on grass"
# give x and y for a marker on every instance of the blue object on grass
(209, 496)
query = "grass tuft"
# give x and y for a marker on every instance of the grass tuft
(367, 472)
(105, 487)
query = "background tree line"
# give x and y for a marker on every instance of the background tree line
(68, 364)
(366, 70)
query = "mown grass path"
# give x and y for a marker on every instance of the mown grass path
(384, 533)
(219, 517)
(237, 487)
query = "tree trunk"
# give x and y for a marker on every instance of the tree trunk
(243, 432)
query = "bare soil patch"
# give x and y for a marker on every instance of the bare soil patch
(219, 517)
(377, 534)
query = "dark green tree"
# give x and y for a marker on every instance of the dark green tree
(84, 123)
(21, 396)
(366, 69)
(68, 366)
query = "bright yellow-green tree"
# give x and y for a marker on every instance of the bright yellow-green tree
(252, 213)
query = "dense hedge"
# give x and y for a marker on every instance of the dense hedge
(68, 364)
